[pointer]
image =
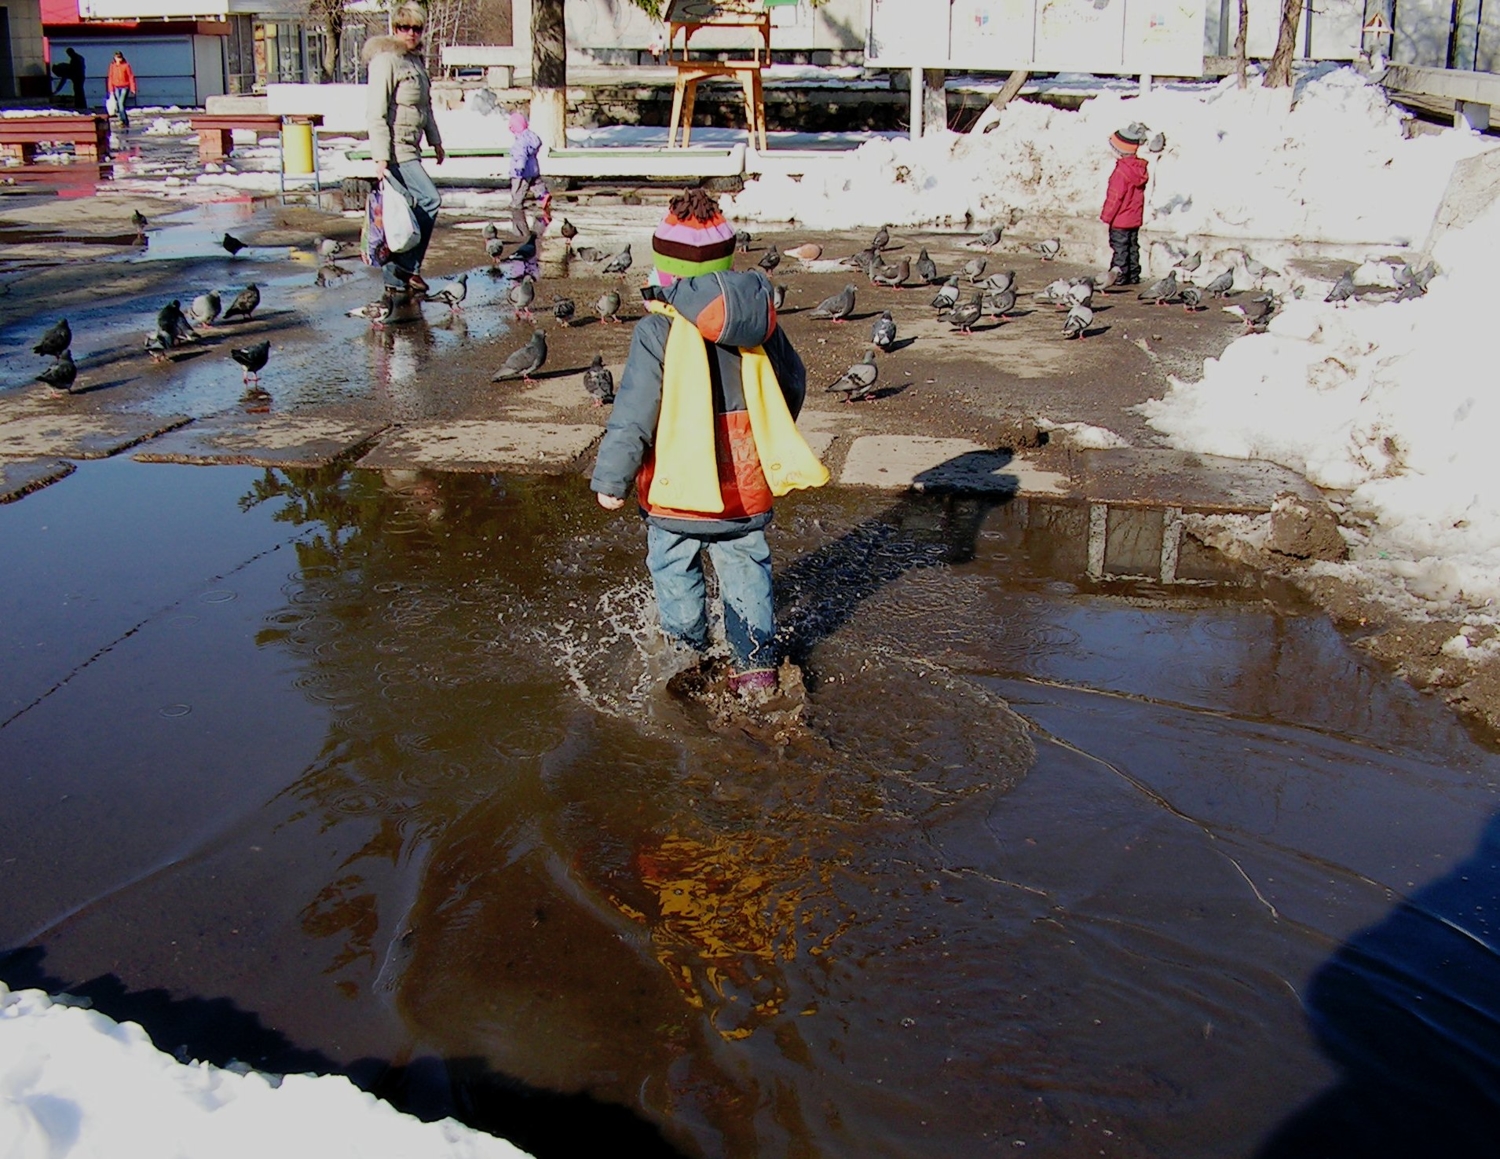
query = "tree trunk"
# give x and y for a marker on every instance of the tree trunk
(1241, 39)
(1279, 71)
(549, 72)
(328, 67)
(934, 101)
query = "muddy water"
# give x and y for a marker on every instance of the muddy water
(378, 773)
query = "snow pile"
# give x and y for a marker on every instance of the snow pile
(1237, 164)
(1388, 401)
(75, 1083)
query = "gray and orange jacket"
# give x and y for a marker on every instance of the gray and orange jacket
(731, 311)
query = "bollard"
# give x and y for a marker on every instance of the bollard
(296, 147)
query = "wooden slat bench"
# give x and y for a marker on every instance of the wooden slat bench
(216, 130)
(88, 133)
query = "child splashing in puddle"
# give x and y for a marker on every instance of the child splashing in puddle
(704, 423)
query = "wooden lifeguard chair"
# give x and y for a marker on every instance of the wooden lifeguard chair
(687, 17)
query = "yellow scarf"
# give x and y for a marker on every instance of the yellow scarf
(687, 472)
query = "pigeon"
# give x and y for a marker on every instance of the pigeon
(619, 263)
(599, 382)
(170, 322)
(838, 307)
(330, 273)
(526, 250)
(1343, 289)
(1188, 265)
(453, 294)
(1001, 304)
(563, 310)
(329, 247)
(232, 244)
(56, 340)
(1255, 312)
(974, 269)
(778, 296)
(205, 308)
(138, 220)
(253, 359)
(770, 259)
(521, 295)
(925, 269)
(568, 230)
(588, 253)
(490, 231)
(963, 316)
(1056, 293)
(158, 343)
(379, 311)
(1048, 247)
(1157, 143)
(1426, 274)
(892, 276)
(883, 332)
(244, 303)
(1192, 299)
(858, 380)
(999, 283)
(947, 295)
(882, 238)
(1411, 291)
(806, 252)
(1079, 319)
(864, 260)
(1110, 277)
(525, 361)
(742, 240)
(495, 247)
(1220, 285)
(986, 241)
(1161, 291)
(1081, 290)
(60, 375)
(609, 306)
(1255, 269)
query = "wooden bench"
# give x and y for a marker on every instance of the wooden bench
(216, 130)
(88, 133)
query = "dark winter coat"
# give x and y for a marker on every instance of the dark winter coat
(1125, 200)
(735, 308)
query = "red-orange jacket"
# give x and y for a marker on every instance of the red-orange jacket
(120, 76)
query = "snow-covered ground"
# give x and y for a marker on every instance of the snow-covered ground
(75, 1083)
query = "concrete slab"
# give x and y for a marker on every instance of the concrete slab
(484, 445)
(268, 441)
(21, 478)
(1192, 482)
(79, 436)
(924, 464)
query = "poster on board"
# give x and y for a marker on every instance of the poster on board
(1080, 35)
(908, 34)
(992, 33)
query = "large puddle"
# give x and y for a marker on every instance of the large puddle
(377, 773)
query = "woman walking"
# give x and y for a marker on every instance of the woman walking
(120, 84)
(398, 112)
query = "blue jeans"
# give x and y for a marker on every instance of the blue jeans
(422, 196)
(121, 97)
(743, 565)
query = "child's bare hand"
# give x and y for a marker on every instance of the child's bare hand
(609, 502)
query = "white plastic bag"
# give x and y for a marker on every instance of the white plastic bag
(109, 105)
(397, 219)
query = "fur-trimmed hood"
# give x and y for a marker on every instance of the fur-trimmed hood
(378, 44)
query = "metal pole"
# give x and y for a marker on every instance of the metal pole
(916, 104)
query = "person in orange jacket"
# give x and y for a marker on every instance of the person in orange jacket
(120, 84)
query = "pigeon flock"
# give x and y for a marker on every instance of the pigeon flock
(973, 298)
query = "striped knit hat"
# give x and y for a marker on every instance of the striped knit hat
(1128, 140)
(693, 238)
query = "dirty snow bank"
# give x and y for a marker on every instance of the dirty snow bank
(75, 1083)
(1237, 164)
(1391, 402)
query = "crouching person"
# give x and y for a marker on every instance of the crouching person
(704, 425)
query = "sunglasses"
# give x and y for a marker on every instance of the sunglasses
(406, 27)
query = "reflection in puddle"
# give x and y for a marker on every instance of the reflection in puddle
(1053, 864)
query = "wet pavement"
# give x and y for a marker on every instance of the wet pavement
(376, 772)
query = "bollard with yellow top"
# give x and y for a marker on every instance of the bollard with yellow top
(297, 146)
